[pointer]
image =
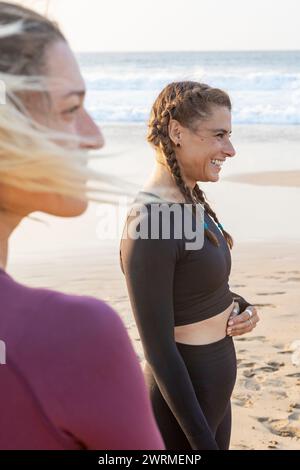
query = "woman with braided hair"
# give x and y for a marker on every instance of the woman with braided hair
(183, 307)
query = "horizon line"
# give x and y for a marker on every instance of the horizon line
(182, 51)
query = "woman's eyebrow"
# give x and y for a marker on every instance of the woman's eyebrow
(80, 93)
(224, 131)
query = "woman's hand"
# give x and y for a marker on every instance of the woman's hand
(243, 323)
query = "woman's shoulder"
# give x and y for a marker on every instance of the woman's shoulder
(154, 226)
(75, 304)
(85, 321)
(43, 309)
(151, 217)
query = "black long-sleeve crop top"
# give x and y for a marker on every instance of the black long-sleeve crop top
(170, 285)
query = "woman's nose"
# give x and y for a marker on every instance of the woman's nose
(91, 133)
(230, 150)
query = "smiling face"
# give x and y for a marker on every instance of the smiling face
(63, 110)
(204, 149)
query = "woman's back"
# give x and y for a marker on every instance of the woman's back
(71, 378)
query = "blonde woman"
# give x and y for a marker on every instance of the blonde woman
(71, 378)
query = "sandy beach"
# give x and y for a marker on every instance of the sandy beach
(269, 178)
(258, 204)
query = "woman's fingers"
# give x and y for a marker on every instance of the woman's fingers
(241, 329)
(242, 317)
(242, 323)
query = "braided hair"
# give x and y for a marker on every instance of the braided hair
(187, 102)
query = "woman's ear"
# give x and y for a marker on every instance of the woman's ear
(174, 129)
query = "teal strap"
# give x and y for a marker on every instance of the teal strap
(219, 225)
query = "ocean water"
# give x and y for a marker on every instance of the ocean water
(264, 86)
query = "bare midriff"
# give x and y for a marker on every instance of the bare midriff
(205, 331)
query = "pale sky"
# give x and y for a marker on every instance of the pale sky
(176, 25)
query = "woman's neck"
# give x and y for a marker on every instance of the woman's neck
(161, 183)
(8, 222)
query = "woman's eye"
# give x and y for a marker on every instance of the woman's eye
(72, 110)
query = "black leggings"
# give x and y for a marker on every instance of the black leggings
(212, 369)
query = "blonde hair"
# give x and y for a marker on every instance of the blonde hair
(31, 156)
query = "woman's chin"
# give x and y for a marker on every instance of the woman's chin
(214, 177)
(67, 207)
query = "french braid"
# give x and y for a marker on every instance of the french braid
(186, 102)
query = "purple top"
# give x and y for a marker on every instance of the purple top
(71, 379)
